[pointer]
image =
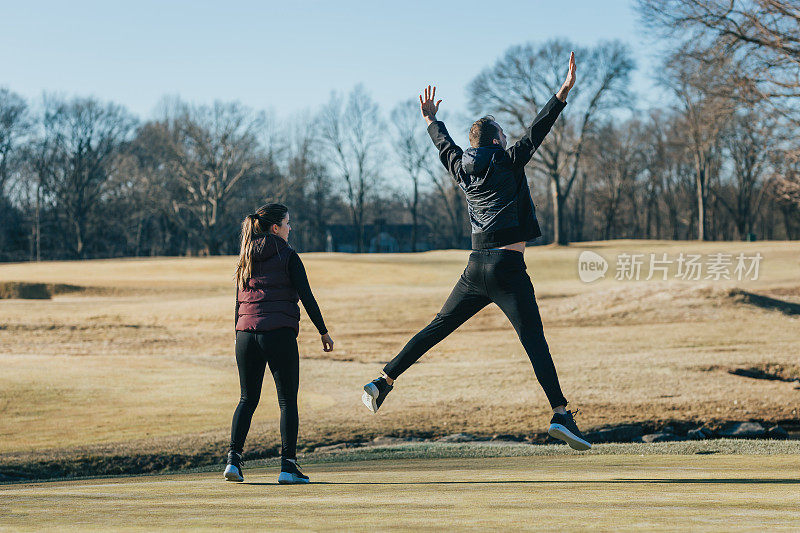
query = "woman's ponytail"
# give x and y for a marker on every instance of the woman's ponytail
(245, 267)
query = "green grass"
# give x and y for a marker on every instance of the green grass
(668, 486)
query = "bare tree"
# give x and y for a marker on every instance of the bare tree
(522, 81)
(757, 40)
(214, 149)
(615, 161)
(764, 35)
(450, 197)
(662, 152)
(81, 138)
(748, 141)
(310, 188)
(789, 179)
(144, 189)
(352, 134)
(15, 124)
(705, 107)
(413, 151)
(786, 165)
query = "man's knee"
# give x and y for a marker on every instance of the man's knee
(445, 320)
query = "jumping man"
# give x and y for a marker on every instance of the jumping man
(503, 218)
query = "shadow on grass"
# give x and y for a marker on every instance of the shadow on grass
(765, 302)
(677, 481)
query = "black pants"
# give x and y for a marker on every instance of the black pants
(254, 350)
(497, 276)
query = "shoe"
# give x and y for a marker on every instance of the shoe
(374, 393)
(233, 472)
(563, 427)
(291, 474)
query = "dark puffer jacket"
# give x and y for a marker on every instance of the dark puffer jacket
(498, 198)
(269, 300)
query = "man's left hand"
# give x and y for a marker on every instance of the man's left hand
(427, 106)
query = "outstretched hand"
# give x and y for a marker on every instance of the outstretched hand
(569, 82)
(427, 106)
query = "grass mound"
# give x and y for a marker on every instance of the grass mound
(656, 302)
(44, 291)
(24, 290)
(65, 288)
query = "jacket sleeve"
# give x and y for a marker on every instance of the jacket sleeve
(449, 152)
(297, 274)
(523, 150)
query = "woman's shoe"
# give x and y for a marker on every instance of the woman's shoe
(233, 471)
(291, 474)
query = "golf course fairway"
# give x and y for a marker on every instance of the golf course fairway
(555, 492)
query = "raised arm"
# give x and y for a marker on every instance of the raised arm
(449, 152)
(523, 150)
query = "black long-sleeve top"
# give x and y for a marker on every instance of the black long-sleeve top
(499, 201)
(297, 273)
(299, 279)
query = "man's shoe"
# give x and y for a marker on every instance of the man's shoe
(290, 473)
(374, 393)
(563, 427)
(233, 471)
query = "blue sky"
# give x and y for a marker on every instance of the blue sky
(286, 56)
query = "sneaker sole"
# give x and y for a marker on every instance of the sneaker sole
(371, 392)
(560, 432)
(232, 475)
(287, 478)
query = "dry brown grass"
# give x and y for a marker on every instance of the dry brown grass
(140, 355)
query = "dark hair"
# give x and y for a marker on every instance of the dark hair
(253, 225)
(483, 132)
(269, 214)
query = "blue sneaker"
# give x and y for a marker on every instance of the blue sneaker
(233, 471)
(563, 427)
(291, 474)
(374, 393)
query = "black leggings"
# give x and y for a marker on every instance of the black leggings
(497, 276)
(254, 350)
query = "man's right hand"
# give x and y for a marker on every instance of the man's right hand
(569, 82)
(427, 106)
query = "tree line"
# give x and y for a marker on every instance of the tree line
(719, 160)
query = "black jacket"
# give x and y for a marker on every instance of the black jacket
(498, 198)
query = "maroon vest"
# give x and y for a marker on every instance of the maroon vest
(269, 301)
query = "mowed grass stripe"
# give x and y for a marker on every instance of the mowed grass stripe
(729, 492)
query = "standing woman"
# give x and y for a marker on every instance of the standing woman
(270, 280)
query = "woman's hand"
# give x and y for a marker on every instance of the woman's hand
(327, 343)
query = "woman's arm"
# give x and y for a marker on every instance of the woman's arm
(297, 274)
